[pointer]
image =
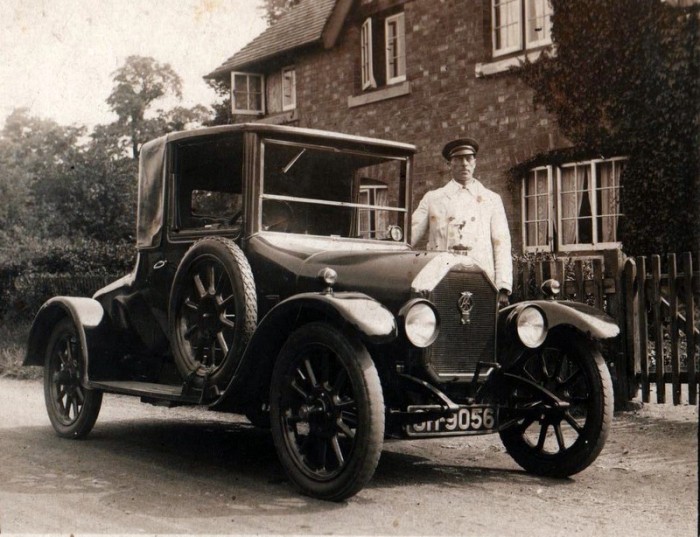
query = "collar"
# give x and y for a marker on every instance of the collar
(473, 187)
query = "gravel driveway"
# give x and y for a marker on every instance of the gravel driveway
(148, 469)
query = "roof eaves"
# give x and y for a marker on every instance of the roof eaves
(300, 27)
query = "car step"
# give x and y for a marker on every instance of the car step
(150, 392)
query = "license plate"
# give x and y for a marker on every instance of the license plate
(471, 419)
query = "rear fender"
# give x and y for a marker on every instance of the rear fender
(355, 312)
(87, 316)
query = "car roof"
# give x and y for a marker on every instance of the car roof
(294, 132)
(151, 188)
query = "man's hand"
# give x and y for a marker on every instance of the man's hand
(503, 300)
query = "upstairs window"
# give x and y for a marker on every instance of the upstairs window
(572, 207)
(519, 25)
(289, 88)
(247, 96)
(395, 49)
(366, 63)
(388, 31)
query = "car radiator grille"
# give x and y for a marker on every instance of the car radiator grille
(459, 346)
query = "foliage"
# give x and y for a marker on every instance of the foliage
(223, 114)
(138, 84)
(274, 9)
(69, 199)
(13, 337)
(625, 74)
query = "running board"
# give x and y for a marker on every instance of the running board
(146, 390)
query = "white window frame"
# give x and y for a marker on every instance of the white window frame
(395, 43)
(546, 30)
(523, 22)
(555, 212)
(593, 187)
(495, 4)
(526, 219)
(292, 103)
(366, 63)
(248, 76)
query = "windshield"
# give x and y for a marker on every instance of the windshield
(334, 193)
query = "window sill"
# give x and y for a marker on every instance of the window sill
(280, 119)
(485, 69)
(388, 92)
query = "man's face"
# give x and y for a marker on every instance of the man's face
(462, 167)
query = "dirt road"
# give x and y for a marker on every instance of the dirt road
(146, 470)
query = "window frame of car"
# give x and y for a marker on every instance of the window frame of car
(259, 195)
(556, 220)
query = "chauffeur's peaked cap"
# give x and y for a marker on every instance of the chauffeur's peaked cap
(460, 146)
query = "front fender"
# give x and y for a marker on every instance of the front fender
(584, 318)
(356, 311)
(87, 316)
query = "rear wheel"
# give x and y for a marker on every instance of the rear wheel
(72, 408)
(327, 412)
(559, 440)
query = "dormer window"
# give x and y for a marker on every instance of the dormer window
(247, 95)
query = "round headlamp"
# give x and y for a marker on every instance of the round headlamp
(532, 327)
(421, 323)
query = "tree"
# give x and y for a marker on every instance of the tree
(31, 149)
(625, 76)
(274, 9)
(137, 85)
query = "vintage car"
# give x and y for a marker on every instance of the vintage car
(274, 278)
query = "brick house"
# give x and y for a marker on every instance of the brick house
(425, 72)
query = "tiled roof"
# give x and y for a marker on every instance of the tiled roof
(302, 25)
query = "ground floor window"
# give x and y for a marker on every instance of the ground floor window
(572, 206)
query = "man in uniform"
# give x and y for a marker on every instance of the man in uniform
(464, 216)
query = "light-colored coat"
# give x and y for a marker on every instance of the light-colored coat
(470, 218)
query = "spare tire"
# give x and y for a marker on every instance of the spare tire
(212, 312)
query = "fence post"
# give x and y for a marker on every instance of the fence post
(625, 387)
(674, 334)
(658, 328)
(643, 331)
(688, 275)
(632, 359)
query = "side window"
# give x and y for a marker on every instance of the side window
(247, 93)
(520, 25)
(208, 184)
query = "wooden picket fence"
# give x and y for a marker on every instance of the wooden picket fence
(658, 313)
(662, 332)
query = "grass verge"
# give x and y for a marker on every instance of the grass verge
(13, 343)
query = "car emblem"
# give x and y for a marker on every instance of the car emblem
(465, 305)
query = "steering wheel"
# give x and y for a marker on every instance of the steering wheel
(277, 216)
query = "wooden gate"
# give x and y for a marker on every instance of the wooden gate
(661, 324)
(658, 312)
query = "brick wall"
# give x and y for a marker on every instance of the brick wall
(445, 39)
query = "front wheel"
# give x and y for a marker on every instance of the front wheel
(72, 408)
(559, 439)
(327, 412)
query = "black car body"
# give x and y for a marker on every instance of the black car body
(274, 279)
